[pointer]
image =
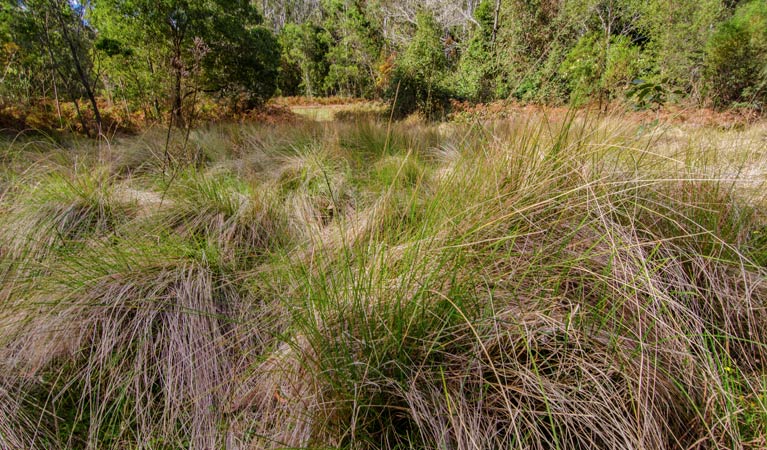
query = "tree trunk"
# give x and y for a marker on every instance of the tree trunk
(177, 106)
(78, 66)
(496, 14)
(155, 102)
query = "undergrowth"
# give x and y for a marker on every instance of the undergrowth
(532, 283)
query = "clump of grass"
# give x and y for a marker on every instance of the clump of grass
(315, 189)
(137, 344)
(262, 149)
(162, 150)
(397, 172)
(62, 210)
(243, 221)
(396, 190)
(216, 143)
(368, 141)
(545, 320)
(146, 153)
(529, 284)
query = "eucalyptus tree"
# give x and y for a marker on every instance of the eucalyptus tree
(59, 34)
(217, 46)
(280, 13)
(399, 17)
(476, 68)
(356, 44)
(419, 74)
(304, 66)
(678, 32)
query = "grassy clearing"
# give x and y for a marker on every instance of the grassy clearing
(529, 283)
(327, 112)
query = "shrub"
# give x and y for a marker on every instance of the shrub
(417, 81)
(736, 57)
(591, 69)
(304, 68)
(62, 211)
(473, 78)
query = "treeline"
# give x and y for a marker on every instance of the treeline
(159, 57)
(153, 57)
(424, 53)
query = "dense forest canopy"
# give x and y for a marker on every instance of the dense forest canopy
(157, 57)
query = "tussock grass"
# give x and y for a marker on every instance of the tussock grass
(58, 211)
(242, 220)
(526, 284)
(314, 187)
(148, 336)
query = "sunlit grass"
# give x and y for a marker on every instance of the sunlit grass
(530, 283)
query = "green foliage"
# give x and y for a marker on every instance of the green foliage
(731, 66)
(22, 60)
(473, 79)
(303, 60)
(145, 58)
(648, 94)
(134, 70)
(112, 47)
(55, 41)
(356, 45)
(533, 38)
(677, 33)
(597, 67)
(417, 82)
(215, 46)
(736, 57)
(244, 66)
